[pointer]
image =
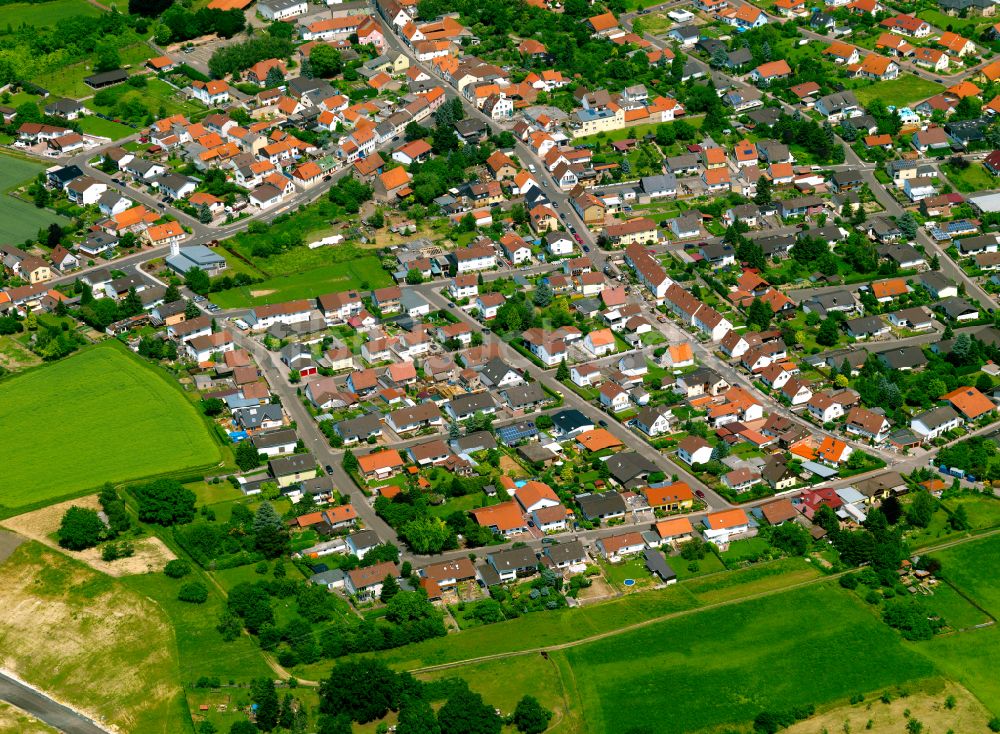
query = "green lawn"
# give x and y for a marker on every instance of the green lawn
(724, 666)
(93, 125)
(973, 178)
(905, 90)
(68, 81)
(21, 220)
(983, 510)
(44, 14)
(970, 657)
(741, 549)
(753, 580)
(200, 648)
(98, 416)
(156, 94)
(308, 284)
(972, 568)
(955, 609)
(968, 27)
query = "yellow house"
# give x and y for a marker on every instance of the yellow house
(288, 470)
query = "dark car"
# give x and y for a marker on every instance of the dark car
(602, 423)
(329, 469)
(700, 493)
(586, 249)
(451, 304)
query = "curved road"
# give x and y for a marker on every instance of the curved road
(45, 709)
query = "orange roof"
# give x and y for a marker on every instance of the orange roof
(839, 49)
(716, 176)
(505, 516)
(953, 41)
(806, 449)
(389, 458)
(676, 492)
(832, 449)
(878, 140)
(889, 288)
(161, 62)
(533, 492)
(992, 71)
(970, 402)
(674, 527)
(603, 22)
(781, 170)
(964, 89)
(311, 518)
(714, 155)
(341, 513)
(875, 64)
(773, 69)
(727, 519)
(601, 337)
(164, 231)
(307, 171)
(395, 178)
(598, 439)
(640, 113)
(681, 352)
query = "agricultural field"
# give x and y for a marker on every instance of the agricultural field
(63, 622)
(768, 654)
(98, 416)
(903, 91)
(21, 219)
(45, 14)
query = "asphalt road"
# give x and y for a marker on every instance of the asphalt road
(45, 709)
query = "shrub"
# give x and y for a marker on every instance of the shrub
(177, 568)
(193, 592)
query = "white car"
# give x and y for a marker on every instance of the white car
(241, 324)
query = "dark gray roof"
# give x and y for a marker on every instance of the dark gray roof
(292, 464)
(270, 439)
(903, 358)
(471, 403)
(513, 559)
(602, 504)
(628, 466)
(518, 396)
(476, 441)
(657, 564)
(955, 307)
(571, 420)
(359, 428)
(563, 552)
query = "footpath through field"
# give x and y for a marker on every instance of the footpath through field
(675, 615)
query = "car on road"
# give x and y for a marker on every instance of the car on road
(555, 204)
(451, 304)
(586, 249)
(578, 238)
(329, 469)
(939, 81)
(199, 299)
(487, 330)
(700, 493)
(602, 423)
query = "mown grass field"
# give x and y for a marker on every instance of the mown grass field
(88, 640)
(44, 14)
(902, 91)
(308, 284)
(93, 125)
(725, 665)
(21, 220)
(97, 416)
